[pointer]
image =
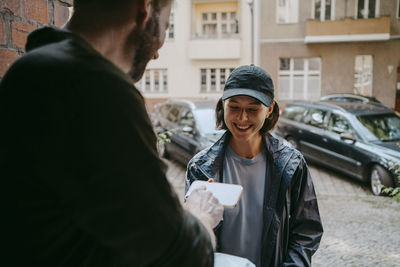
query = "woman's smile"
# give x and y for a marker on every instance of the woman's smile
(242, 127)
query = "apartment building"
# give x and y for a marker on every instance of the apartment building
(317, 47)
(206, 40)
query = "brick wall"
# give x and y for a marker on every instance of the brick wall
(19, 17)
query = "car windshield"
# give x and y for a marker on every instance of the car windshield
(205, 119)
(384, 127)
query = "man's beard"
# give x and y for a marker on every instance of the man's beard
(147, 42)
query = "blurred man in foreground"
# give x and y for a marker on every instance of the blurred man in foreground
(82, 184)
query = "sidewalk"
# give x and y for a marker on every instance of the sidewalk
(359, 228)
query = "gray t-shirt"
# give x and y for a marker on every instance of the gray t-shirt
(242, 225)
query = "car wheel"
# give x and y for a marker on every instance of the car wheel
(293, 142)
(379, 176)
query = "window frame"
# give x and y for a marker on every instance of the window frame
(171, 28)
(323, 8)
(229, 21)
(182, 114)
(323, 112)
(398, 9)
(351, 129)
(209, 86)
(298, 115)
(305, 73)
(150, 87)
(287, 15)
(366, 5)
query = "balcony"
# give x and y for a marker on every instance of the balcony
(205, 49)
(348, 30)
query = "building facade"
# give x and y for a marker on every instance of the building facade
(206, 40)
(318, 47)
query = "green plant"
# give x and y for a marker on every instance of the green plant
(393, 192)
(164, 137)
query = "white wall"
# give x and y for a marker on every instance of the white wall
(183, 72)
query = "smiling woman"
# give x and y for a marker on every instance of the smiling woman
(273, 175)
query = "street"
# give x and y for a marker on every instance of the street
(359, 228)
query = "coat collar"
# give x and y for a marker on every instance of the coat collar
(211, 160)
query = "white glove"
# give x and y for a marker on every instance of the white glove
(206, 208)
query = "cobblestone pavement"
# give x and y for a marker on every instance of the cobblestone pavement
(360, 230)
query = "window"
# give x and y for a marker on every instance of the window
(398, 9)
(170, 34)
(385, 127)
(324, 9)
(287, 11)
(368, 9)
(164, 110)
(173, 114)
(294, 113)
(315, 117)
(186, 119)
(213, 79)
(299, 78)
(219, 24)
(154, 81)
(363, 68)
(340, 125)
(209, 24)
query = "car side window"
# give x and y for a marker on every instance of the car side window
(173, 114)
(294, 113)
(315, 117)
(339, 124)
(186, 118)
(164, 110)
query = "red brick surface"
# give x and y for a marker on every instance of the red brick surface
(20, 31)
(2, 32)
(61, 15)
(37, 10)
(12, 6)
(7, 57)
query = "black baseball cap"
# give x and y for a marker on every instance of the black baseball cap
(250, 80)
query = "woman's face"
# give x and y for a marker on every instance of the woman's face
(244, 116)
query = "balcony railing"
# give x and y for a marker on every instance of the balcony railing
(348, 30)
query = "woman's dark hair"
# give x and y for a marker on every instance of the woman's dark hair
(269, 122)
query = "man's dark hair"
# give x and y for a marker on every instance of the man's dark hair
(269, 122)
(110, 4)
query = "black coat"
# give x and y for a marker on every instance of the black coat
(81, 180)
(292, 227)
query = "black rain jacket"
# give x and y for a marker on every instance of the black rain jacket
(292, 227)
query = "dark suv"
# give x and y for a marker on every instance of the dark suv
(192, 124)
(359, 139)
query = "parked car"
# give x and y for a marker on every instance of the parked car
(358, 139)
(192, 124)
(351, 98)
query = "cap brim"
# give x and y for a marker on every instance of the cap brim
(263, 98)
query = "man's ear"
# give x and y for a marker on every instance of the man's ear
(144, 12)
